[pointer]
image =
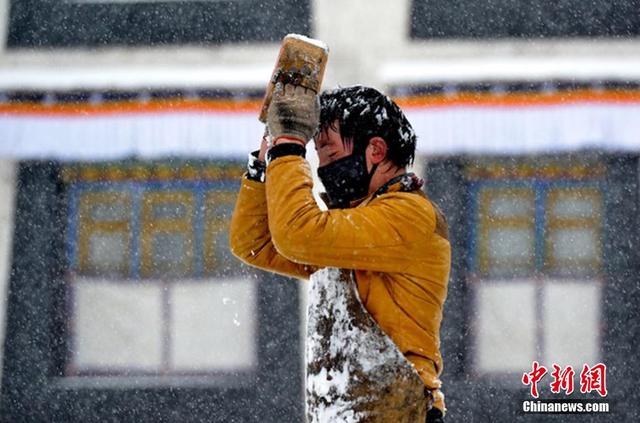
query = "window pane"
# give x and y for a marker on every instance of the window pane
(170, 254)
(574, 207)
(511, 245)
(572, 245)
(506, 326)
(104, 233)
(572, 235)
(213, 325)
(115, 211)
(571, 322)
(218, 257)
(506, 231)
(510, 206)
(108, 252)
(167, 239)
(116, 326)
(169, 211)
(222, 262)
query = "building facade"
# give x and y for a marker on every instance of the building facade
(124, 127)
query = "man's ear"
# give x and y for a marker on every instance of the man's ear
(377, 150)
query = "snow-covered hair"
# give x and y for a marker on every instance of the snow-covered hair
(362, 113)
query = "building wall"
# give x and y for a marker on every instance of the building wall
(369, 42)
(7, 192)
(4, 17)
(364, 37)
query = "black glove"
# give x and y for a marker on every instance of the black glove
(256, 168)
(434, 416)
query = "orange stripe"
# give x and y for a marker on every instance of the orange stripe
(518, 99)
(468, 99)
(126, 107)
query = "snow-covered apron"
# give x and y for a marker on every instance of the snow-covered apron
(355, 373)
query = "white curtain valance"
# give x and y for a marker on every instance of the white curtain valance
(457, 129)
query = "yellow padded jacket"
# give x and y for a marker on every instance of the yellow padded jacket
(396, 242)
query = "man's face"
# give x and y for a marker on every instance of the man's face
(330, 147)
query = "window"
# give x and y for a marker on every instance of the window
(533, 19)
(153, 328)
(219, 206)
(100, 23)
(506, 331)
(573, 227)
(153, 287)
(104, 242)
(507, 239)
(536, 264)
(74, 336)
(167, 239)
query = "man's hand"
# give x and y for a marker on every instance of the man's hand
(294, 113)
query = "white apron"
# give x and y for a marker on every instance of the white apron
(355, 373)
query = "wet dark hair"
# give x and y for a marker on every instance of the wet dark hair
(363, 113)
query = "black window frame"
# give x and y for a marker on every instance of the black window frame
(469, 19)
(81, 23)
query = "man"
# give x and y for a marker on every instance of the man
(379, 224)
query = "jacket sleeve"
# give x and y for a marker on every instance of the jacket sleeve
(387, 235)
(249, 235)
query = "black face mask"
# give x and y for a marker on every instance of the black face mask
(346, 180)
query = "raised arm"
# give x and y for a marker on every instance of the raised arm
(249, 236)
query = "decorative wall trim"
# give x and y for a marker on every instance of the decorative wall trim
(514, 118)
